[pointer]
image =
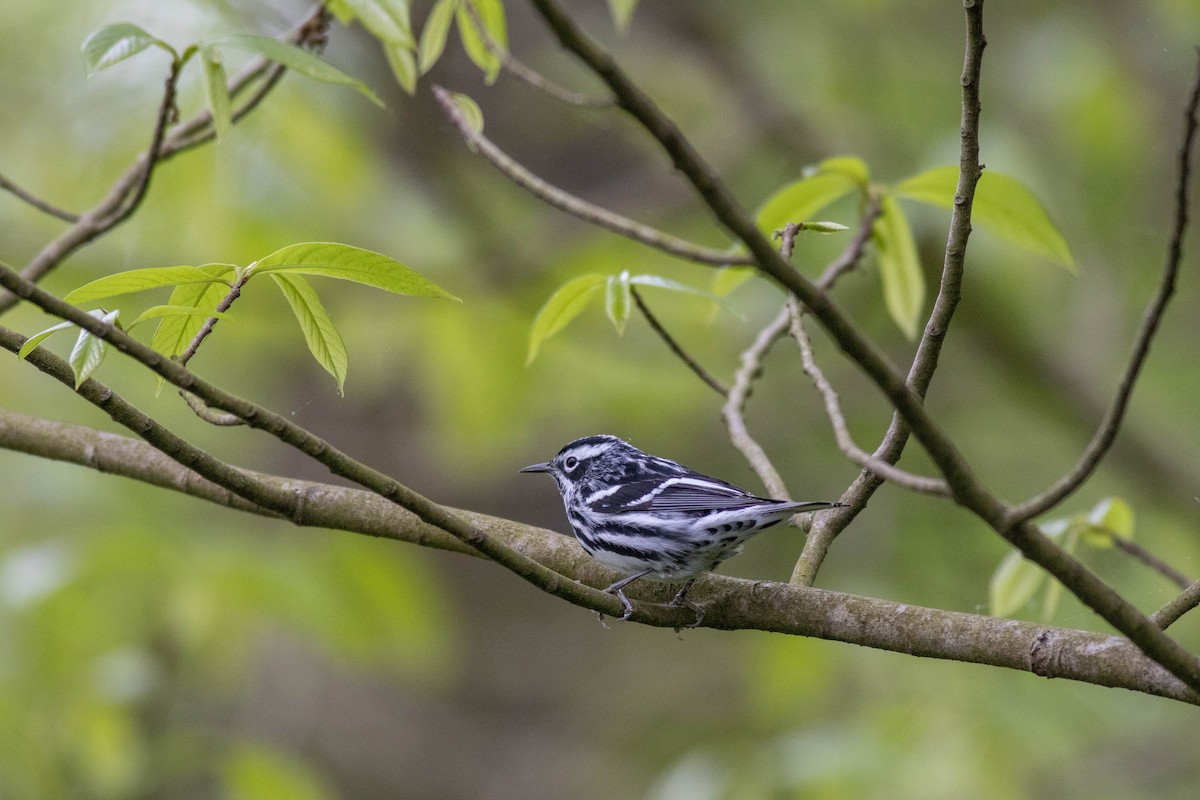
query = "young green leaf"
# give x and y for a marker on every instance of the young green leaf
(825, 227)
(1013, 584)
(1111, 517)
(618, 300)
(301, 61)
(567, 302)
(33, 341)
(433, 35)
(404, 66)
(322, 338)
(801, 199)
(1003, 206)
(729, 278)
(158, 312)
(138, 280)
(341, 261)
(215, 89)
(851, 167)
(675, 286)
(386, 20)
(622, 12)
(175, 332)
(490, 14)
(470, 111)
(89, 350)
(115, 43)
(899, 266)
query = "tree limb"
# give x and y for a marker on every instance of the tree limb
(734, 603)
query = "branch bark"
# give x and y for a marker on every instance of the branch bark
(733, 603)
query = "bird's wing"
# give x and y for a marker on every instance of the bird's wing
(683, 493)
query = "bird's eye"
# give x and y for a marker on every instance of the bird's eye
(571, 463)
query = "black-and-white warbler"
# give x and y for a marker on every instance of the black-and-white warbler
(653, 518)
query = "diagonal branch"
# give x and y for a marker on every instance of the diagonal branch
(575, 206)
(967, 489)
(37, 202)
(1151, 319)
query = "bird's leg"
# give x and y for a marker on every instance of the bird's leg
(680, 599)
(617, 587)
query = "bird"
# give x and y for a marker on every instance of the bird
(653, 518)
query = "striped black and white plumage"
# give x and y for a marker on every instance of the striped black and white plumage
(652, 518)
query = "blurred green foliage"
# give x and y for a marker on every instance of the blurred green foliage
(154, 646)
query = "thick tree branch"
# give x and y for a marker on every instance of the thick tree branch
(575, 206)
(967, 489)
(733, 603)
(1151, 319)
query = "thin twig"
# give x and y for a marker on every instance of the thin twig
(1188, 599)
(676, 348)
(907, 400)
(733, 410)
(1151, 319)
(37, 202)
(1132, 548)
(233, 294)
(575, 206)
(833, 409)
(524, 72)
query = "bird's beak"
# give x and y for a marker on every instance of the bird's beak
(545, 467)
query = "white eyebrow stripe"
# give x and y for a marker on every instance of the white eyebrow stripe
(587, 451)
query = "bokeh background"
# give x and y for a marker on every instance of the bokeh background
(155, 646)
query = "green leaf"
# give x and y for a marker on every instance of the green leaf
(491, 17)
(622, 12)
(322, 338)
(825, 227)
(433, 36)
(175, 332)
(729, 278)
(33, 341)
(115, 43)
(618, 300)
(215, 89)
(470, 111)
(1013, 584)
(798, 201)
(158, 312)
(301, 61)
(674, 286)
(138, 280)
(1003, 206)
(1111, 517)
(341, 261)
(567, 302)
(89, 350)
(851, 167)
(899, 266)
(386, 20)
(404, 66)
